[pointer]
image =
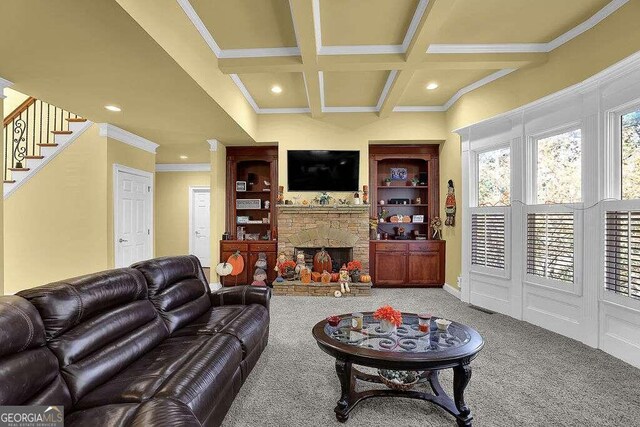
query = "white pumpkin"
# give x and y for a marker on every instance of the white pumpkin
(224, 269)
(337, 294)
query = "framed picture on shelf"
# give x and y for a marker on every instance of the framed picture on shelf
(241, 185)
(418, 218)
(242, 219)
(399, 174)
(248, 203)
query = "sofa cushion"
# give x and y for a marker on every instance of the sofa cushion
(29, 372)
(140, 380)
(97, 325)
(154, 412)
(209, 379)
(177, 287)
(248, 323)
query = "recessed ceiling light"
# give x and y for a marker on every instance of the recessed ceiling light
(113, 108)
(432, 86)
(183, 157)
(276, 89)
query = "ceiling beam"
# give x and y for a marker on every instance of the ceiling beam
(274, 64)
(433, 18)
(303, 24)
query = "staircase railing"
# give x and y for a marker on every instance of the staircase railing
(27, 129)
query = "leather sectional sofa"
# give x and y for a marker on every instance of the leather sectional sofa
(141, 346)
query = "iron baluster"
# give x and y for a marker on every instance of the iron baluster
(19, 136)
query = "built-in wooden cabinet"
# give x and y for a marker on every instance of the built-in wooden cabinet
(408, 263)
(249, 251)
(412, 259)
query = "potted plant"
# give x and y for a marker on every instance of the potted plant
(389, 318)
(387, 182)
(415, 181)
(323, 199)
(354, 267)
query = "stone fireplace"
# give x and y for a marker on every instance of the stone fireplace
(343, 228)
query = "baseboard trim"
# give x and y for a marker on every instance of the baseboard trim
(453, 291)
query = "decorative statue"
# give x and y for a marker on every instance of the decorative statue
(305, 275)
(280, 199)
(365, 194)
(300, 264)
(322, 261)
(259, 277)
(280, 265)
(344, 279)
(436, 226)
(261, 262)
(450, 205)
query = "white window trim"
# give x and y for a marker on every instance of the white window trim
(474, 190)
(574, 288)
(491, 271)
(531, 154)
(613, 148)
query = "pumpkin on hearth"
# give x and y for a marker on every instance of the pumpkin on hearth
(326, 277)
(365, 278)
(335, 277)
(224, 269)
(315, 276)
(305, 275)
(237, 263)
(321, 261)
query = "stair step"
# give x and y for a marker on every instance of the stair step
(19, 169)
(9, 181)
(76, 120)
(62, 132)
(34, 157)
(47, 145)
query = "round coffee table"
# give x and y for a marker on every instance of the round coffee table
(406, 349)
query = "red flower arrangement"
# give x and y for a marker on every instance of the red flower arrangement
(389, 314)
(287, 265)
(354, 265)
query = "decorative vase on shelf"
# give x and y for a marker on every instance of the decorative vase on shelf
(387, 327)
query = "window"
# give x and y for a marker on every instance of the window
(630, 138)
(488, 240)
(550, 247)
(494, 178)
(558, 168)
(622, 253)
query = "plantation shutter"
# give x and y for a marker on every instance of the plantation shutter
(488, 240)
(622, 252)
(550, 247)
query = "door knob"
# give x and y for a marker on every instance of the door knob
(121, 240)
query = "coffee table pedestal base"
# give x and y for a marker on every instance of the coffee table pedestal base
(349, 397)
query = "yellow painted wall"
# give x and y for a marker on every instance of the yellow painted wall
(55, 224)
(12, 101)
(218, 204)
(172, 210)
(612, 40)
(126, 155)
(2, 202)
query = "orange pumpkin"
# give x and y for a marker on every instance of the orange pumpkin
(316, 276)
(365, 278)
(326, 277)
(237, 263)
(335, 277)
(305, 276)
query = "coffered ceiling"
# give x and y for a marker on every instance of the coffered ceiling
(331, 56)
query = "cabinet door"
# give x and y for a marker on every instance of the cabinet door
(391, 268)
(240, 279)
(424, 268)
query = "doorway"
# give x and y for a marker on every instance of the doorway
(133, 215)
(200, 224)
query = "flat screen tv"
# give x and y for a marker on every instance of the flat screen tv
(321, 170)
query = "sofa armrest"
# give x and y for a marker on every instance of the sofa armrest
(242, 295)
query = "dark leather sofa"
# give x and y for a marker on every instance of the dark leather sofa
(141, 346)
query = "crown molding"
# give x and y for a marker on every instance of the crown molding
(183, 167)
(349, 109)
(415, 21)
(243, 89)
(114, 132)
(259, 52)
(385, 89)
(531, 47)
(317, 27)
(202, 29)
(616, 70)
(368, 49)
(213, 144)
(419, 109)
(4, 84)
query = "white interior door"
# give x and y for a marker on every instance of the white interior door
(132, 216)
(200, 225)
